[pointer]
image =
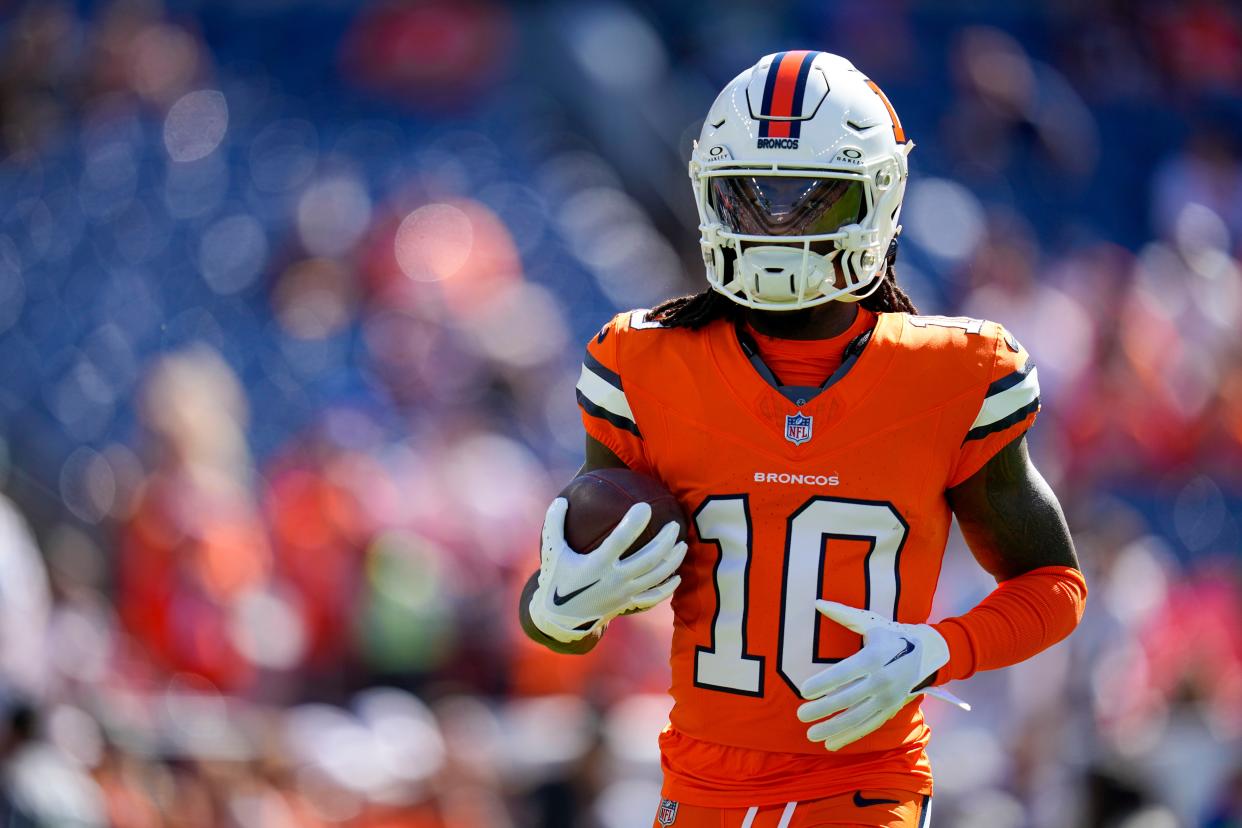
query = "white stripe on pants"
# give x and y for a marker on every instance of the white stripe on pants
(786, 815)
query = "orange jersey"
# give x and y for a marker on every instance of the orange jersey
(839, 496)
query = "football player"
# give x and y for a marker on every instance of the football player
(821, 435)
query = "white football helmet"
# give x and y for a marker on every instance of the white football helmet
(798, 176)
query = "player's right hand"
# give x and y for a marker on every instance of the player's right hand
(578, 592)
(858, 694)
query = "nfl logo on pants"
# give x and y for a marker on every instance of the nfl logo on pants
(668, 812)
(798, 428)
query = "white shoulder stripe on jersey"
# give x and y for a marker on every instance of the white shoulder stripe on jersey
(1000, 405)
(604, 394)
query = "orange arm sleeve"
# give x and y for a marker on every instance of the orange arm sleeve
(1021, 617)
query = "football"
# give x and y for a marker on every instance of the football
(599, 499)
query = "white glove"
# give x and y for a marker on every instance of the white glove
(577, 593)
(868, 688)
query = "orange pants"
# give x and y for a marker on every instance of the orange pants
(860, 809)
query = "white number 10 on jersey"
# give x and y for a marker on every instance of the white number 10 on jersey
(725, 521)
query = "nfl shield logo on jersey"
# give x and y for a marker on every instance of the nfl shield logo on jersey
(668, 812)
(798, 428)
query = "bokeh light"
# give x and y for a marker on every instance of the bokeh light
(232, 253)
(434, 242)
(333, 214)
(195, 125)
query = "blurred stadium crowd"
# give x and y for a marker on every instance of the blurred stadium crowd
(291, 297)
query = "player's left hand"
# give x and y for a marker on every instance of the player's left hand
(868, 688)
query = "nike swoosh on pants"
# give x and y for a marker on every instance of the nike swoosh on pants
(863, 802)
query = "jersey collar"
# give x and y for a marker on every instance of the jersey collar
(865, 365)
(801, 394)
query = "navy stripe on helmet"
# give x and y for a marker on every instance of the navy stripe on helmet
(795, 129)
(769, 85)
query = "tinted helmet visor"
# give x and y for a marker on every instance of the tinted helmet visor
(774, 205)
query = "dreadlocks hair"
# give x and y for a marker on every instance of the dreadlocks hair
(889, 297)
(696, 310)
(699, 309)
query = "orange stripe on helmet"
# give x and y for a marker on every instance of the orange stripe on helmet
(783, 93)
(898, 133)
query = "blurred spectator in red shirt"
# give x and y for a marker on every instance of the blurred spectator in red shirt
(323, 504)
(432, 53)
(194, 545)
(1200, 44)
